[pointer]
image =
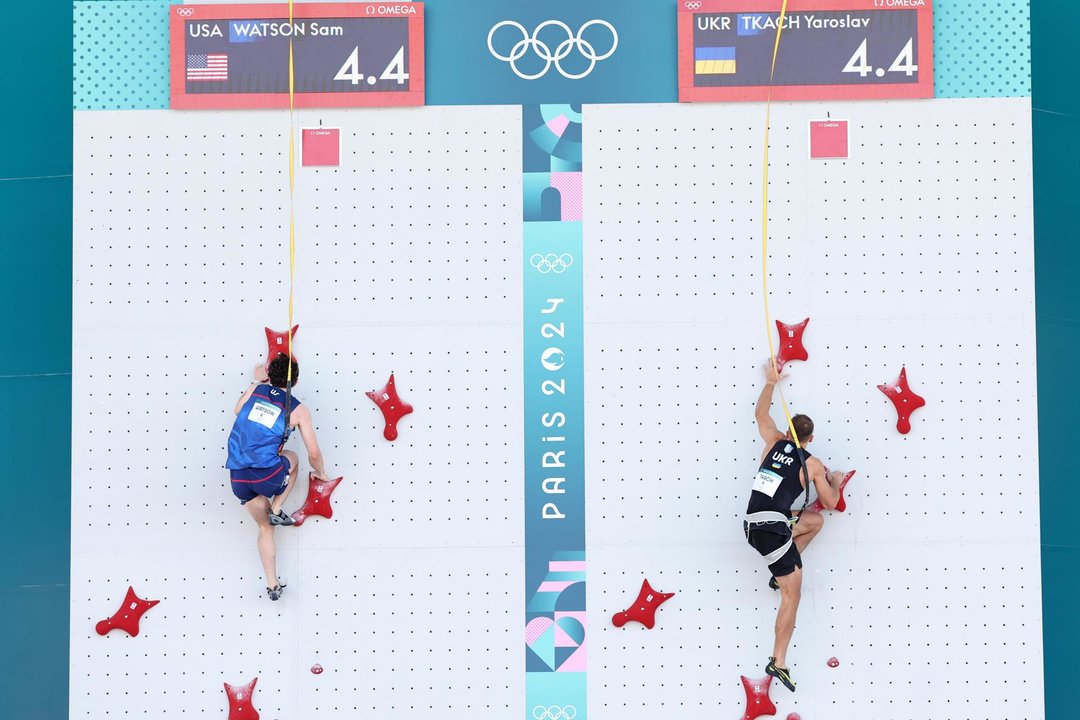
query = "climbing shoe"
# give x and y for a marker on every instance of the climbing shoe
(281, 519)
(276, 592)
(780, 674)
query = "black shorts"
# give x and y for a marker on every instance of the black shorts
(766, 541)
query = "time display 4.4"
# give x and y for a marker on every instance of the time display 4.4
(828, 49)
(343, 55)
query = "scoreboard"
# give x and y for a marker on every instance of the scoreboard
(828, 49)
(345, 55)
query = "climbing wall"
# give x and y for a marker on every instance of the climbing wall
(916, 251)
(407, 261)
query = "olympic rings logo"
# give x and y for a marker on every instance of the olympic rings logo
(543, 51)
(554, 712)
(551, 263)
(185, 11)
(692, 4)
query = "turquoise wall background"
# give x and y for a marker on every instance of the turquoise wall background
(35, 376)
(1055, 132)
(35, 198)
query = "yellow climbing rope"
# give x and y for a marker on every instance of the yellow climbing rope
(292, 193)
(765, 227)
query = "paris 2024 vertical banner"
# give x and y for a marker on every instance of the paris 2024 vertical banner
(555, 624)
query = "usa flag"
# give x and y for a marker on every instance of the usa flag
(207, 68)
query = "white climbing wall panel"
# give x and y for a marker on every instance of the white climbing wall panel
(916, 251)
(407, 260)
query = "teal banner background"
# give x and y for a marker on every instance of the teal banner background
(554, 417)
(461, 71)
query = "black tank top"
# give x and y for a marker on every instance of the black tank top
(776, 484)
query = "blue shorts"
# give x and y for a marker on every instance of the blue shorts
(249, 483)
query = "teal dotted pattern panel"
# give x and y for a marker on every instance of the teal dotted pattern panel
(982, 48)
(121, 51)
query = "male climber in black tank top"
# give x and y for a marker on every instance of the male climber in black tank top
(771, 528)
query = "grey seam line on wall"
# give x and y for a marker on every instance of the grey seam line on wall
(1055, 319)
(35, 177)
(52, 586)
(1054, 112)
(34, 375)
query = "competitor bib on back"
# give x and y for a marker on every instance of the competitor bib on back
(767, 482)
(264, 413)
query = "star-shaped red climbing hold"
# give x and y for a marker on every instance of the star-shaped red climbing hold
(277, 343)
(393, 407)
(240, 707)
(318, 500)
(757, 697)
(841, 504)
(905, 400)
(791, 347)
(128, 616)
(644, 608)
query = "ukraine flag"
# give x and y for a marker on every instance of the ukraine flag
(714, 61)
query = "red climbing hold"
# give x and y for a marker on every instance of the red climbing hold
(833, 662)
(841, 504)
(278, 343)
(128, 616)
(316, 669)
(644, 608)
(791, 347)
(318, 500)
(794, 716)
(393, 407)
(904, 399)
(757, 697)
(240, 707)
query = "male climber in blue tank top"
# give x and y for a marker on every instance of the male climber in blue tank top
(771, 527)
(261, 470)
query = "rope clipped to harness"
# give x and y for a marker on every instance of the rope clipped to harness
(287, 432)
(806, 472)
